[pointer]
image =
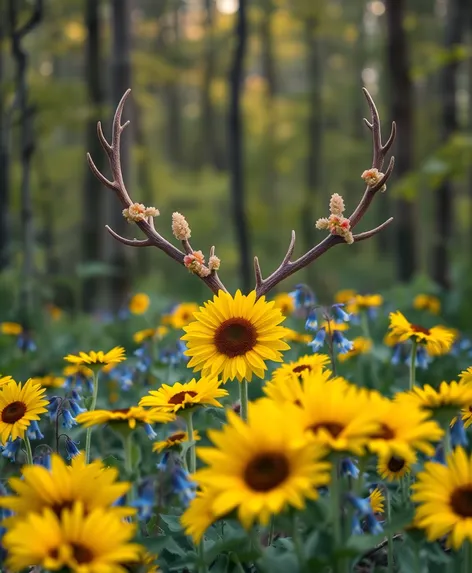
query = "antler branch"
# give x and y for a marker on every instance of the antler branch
(380, 150)
(113, 152)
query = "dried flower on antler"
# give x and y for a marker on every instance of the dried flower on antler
(340, 227)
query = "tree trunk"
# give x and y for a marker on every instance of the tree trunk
(315, 137)
(27, 143)
(115, 253)
(5, 229)
(444, 208)
(93, 197)
(235, 149)
(401, 110)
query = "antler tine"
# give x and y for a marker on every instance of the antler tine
(113, 153)
(287, 267)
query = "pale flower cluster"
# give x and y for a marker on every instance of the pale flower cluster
(180, 227)
(195, 262)
(336, 223)
(372, 177)
(138, 212)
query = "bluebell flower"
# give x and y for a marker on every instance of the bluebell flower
(303, 297)
(439, 456)
(151, 434)
(74, 406)
(71, 448)
(181, 483)
(373, 525)
(422, 357)
(349, 468)
(33, 432)
(11, 449)
(43, 459)
(146, 499)
(397, 354)
(68, 421)
(344, 345)
(319, 340)
(360, 504)
(458, 434)
(311, 322)
(340, 315)
(25, 343)
(123, 374)
(356, 528)
(144, 359)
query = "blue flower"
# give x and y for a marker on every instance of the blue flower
(33, 432)
(181, 483)
(319, 340)
(422, 357)
(25, 343)
(356, 528)
(146, 499)
(312, 320)
(145, 360)
(43, 459)
(151, 434)
(349, 468)
(123, 374)
(397, 354)
(11, 449)
(373, 525)
(360, 504)
(458, 434)
(439, 456)
(339, 314)
(303, 297)
(68, 421)
(71, 448)
(344, 345)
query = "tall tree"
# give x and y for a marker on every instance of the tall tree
(115, 253)
(444, 209)
(4, 155)
(93, 192)
(27, 144)
(401, 110)
(314, 63)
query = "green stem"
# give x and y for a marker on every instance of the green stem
(390, 562)
(359, 483)
(365, 324)
(29, 451)
(297, 542)
(88, 437)
(414, 344)
(192, 451)
(243, 398)
(447, 440)
(335, 491)
(202, 568)
(466, 564)
(128, 450)
(271, 532)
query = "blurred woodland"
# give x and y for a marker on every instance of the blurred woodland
(245, 117)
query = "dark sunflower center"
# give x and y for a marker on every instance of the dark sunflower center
(120, 411)
(13, 412)
(180, 396)
(384, 433)
(396, 464)
(235, 337)
(266, 471)
(81, 553)
(58, 507)
(176, 437)
(299, 369)
(331, 427)
(461, 501)
(420, 329)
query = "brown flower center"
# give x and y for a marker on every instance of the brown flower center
(180, 396)
(13, 412)
(176, 437)
(396, 464)
(120, 411)
(81, 553)
(332, 428)
(235, 337)
(266, 471)
(420, 329)
(301, 368)
(384, 433)
(461, 501)
(58, 507)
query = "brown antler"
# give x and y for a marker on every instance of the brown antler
(118, 186)
(288, 267)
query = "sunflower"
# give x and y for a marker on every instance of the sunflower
(344, 296)
(449, 396)
(100, 358)
(148, 333)
(303, 366)
(466, 375)
(19, 406)
(54, 311)
(139, 303)
(174, 440)
(11, 328)
(235, 336)
(340, 415)
(363, 302)
(77, 371)
(377, 500)
(4, 380)
(427, 302)
(262, 466)
(404, 428)
(443, 494)
(289, 388)
(392, 468)
(132, 416)
(199, 515)
(181, 315)
(92, 484)
(437, 339)
(294, 336)
(146, 563)
(49, 381)
(285, 303)
(361, 345)
(89, 542)
(181, 396)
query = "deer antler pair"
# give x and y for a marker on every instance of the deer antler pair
(375, 182)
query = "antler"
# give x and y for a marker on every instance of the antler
(380, 150)
(117, 185)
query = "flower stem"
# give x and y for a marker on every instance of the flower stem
(466, 565)
(29, 451)
(390, 562)
(447, 440)
(414, 345)
(270, 539)
(335, 491)
(88, 437)
(128, 451)
(192, 451)
(202, 568)
(243, 398)
(297, 542)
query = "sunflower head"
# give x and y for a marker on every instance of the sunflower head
(377, 500)
(150, 333)
(139, 303)
(98, 359)
(291, 335)
(11, 328)
(199, 515)
(130, 416)
(174, 441)
(48, 381)
(19, 406)
(4, 380)
(392, 467)
(261, 466)
(344, 296)
(427, 302)
(285, 302)
(181, 315)
(234, 336)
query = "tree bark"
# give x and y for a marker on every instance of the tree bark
(315, 137)
(115, 253)
(235, 149)
(444, 208)
(5, 229)
(27, 144)
(401, 110)
(93, 197)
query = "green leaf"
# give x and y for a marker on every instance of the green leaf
(172, 522)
